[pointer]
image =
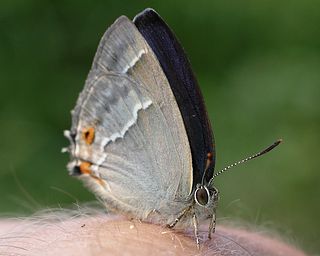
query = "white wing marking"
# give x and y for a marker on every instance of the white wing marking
(134, 60)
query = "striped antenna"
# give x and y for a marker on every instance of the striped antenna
(276, 143)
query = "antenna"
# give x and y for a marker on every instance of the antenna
(276, 143)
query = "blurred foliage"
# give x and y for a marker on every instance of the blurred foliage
(258, 64)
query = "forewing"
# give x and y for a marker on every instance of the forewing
(128, 140)
(184, 85)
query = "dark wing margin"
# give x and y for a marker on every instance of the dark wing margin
(184, 85)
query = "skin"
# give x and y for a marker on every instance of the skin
(111, 235)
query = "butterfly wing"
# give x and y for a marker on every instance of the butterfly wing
(128, 140)
(184, 85)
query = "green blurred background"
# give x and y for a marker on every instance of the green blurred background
(258, 65)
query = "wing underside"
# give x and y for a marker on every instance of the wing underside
(128, 137)
(184, 85)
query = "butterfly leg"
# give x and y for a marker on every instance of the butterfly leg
(212, 226)
(180, 216)
(195, 226)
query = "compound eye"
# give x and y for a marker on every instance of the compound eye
(202, 196)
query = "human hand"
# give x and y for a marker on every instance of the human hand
(112, 235)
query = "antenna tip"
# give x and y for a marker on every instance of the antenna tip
(278, 141)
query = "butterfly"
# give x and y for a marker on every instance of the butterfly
(140, 138)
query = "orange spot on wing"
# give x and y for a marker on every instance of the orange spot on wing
(85, 168)
(209, 159)
(88, 135)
